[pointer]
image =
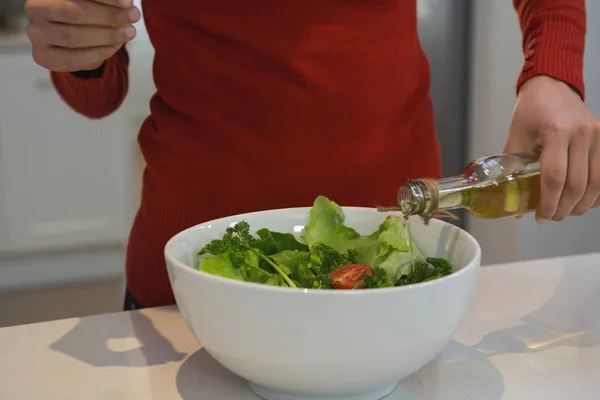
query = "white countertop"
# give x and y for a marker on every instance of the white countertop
(533, 332)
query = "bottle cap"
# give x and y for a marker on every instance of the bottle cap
(413, 198)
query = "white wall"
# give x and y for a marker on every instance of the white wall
(496, 61)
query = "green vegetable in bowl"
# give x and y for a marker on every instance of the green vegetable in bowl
(330, 255)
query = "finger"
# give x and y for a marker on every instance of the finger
(553, 166)
(577, 177)
(592, 192)
(82, 13)
(60, 59)
(519, 145)
(597, 202)
(75, 36)
(115, 3)
(520, 139)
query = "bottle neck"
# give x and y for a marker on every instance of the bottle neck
(426, 196)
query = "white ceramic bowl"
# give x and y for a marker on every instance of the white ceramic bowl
(322, 344)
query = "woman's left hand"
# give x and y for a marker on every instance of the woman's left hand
(550, 115)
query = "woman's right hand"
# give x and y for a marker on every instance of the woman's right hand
(79, 35)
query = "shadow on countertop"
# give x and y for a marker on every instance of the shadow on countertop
(88, 340)
(568, 319)
(201, 375)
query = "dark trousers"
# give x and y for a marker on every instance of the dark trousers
(130, 302)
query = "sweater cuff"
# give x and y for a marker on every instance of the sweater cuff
(94, 97)
(94, 73)
(68, 83)
(553, 45)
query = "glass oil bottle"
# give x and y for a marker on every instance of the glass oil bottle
(493, 187)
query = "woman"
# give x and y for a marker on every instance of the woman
(268, 104)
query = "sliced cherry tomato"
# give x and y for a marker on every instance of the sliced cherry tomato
(350, 276)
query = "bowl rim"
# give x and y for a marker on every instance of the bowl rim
(252, 286)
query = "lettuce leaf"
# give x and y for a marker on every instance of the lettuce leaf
(301, 272)
(386, 248)
(325, 218)
(223, 265)
(275, 242)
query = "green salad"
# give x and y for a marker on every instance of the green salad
(328, 255)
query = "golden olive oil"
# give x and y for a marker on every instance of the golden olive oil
(506, 198)
(408, 236)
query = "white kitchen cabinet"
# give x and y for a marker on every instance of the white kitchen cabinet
(64, 179)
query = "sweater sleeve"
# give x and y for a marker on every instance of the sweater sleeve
(553, 40)
(96, 97)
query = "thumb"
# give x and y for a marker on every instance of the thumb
(519, 138)
(515, 127)
(115, 3)
(514, 144)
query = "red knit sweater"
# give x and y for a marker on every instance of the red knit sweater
(265, 104)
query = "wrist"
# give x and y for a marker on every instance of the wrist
(541, 80)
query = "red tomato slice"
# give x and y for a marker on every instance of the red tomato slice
(350, 276)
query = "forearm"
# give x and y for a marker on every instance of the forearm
(553, 40)
(96, 97)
